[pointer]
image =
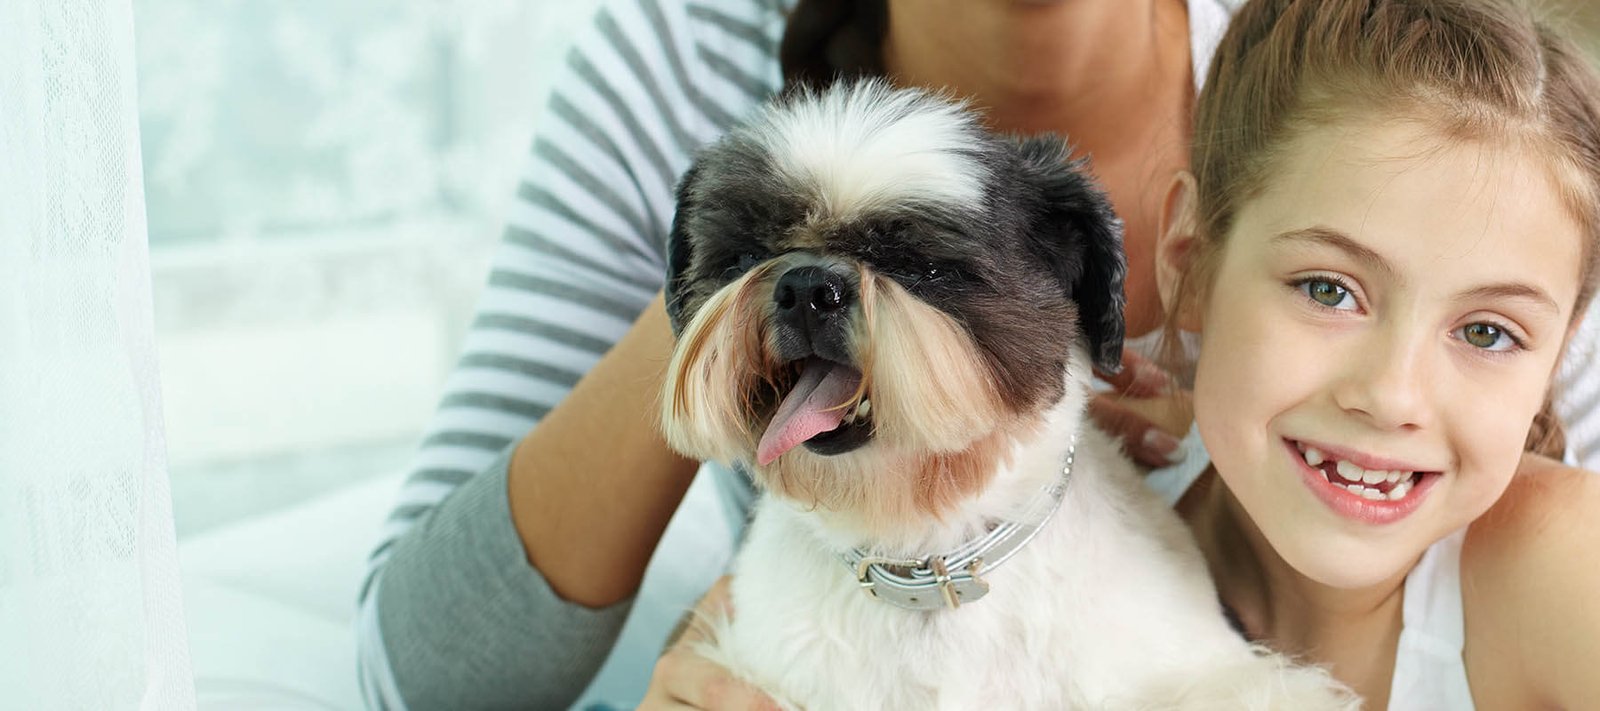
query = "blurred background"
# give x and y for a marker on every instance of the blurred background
(324, 180)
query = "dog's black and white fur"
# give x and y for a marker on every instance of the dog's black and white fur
(888, 316)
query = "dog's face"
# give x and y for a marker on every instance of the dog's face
(875, 298)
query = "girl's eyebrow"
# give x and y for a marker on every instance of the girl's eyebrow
(1511, 290)
(1329, 237)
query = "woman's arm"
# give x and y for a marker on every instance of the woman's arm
(595, 482)
(453, 614)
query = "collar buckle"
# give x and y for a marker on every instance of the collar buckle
(947, 586)
(930, 583)
(864, 570)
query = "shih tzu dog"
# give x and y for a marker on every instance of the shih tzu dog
(888, 316)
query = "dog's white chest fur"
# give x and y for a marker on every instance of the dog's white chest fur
(1110, 606)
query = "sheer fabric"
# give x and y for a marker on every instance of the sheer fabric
(90, 615)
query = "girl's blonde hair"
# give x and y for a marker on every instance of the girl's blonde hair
(1472, 69)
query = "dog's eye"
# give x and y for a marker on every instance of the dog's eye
(744, 263)
(939, 273)
(936, 277)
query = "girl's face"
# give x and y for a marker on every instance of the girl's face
(1389, 310)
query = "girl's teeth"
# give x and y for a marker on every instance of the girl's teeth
(1350, 472)
(1314, 457)
(1357, 484)
(1359, 481)
(1400, 490)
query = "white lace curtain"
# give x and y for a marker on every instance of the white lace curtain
(90, 615)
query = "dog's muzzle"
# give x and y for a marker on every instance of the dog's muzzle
(811, 308)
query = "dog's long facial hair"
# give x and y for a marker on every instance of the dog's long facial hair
(876, 300)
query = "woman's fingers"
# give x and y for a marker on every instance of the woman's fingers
(696, 682)
(685, 680)
(715, 603)
(1139, 377)
(1146, 443)
(1126, 412)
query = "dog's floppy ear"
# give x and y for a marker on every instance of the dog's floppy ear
(1080, 237)
(680, 250)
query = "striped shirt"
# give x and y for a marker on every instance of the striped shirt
(451, 614)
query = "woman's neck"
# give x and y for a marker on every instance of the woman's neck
(1086, 69)
(1113, 76)
(1355, 631)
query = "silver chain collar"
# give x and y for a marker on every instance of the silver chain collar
(951, 579)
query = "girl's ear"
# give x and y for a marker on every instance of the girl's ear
(1175, 242)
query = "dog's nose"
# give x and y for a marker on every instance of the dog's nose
(809, 291)
(811, 314)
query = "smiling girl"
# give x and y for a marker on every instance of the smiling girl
(1388, 238)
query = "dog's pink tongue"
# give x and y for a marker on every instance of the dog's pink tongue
(811, 408)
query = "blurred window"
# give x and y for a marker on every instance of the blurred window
(324, 180)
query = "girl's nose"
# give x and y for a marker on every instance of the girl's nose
(1384, 380)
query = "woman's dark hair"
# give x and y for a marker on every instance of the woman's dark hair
(825, 40)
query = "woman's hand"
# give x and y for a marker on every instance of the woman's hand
(1140, 411)
(686, 680)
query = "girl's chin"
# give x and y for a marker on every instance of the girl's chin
(1346, 563)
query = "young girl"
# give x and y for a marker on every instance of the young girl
(1388, 237)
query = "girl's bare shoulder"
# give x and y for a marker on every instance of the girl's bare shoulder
(1530, 574)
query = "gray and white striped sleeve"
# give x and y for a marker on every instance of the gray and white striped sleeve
(1578, 392)
(451, 614)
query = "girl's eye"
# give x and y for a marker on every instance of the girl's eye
(1488, 337)
(1329, 293)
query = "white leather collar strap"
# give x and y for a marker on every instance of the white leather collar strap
(951, 579)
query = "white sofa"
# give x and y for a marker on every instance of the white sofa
(270, 601)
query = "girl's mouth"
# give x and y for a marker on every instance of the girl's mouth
(1368, 484)
(1369, 495)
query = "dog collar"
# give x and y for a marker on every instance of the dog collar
(950, 579)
